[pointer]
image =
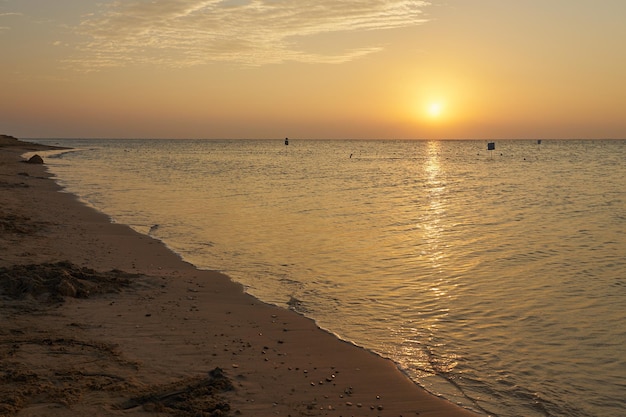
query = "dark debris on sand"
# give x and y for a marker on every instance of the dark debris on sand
(51, 282)
(195, 398)
(17, 224)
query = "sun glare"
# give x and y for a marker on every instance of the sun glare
(435, 109)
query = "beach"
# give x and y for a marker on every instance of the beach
(99, 319)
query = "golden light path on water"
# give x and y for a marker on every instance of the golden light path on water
(434, 224)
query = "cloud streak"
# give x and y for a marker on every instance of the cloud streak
(180, 33)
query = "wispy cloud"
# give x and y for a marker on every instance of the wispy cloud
(8, 14)
(252, 32)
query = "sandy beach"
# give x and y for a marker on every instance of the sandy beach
(100, 320)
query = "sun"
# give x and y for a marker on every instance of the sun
(435, 109)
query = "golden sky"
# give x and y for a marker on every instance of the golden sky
(452, 69)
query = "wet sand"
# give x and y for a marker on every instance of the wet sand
(100, 320)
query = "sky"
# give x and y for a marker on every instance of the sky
(319, 69)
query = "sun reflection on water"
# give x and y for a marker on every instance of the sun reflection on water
(434, 217)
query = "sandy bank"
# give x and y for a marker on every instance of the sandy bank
(100, 320)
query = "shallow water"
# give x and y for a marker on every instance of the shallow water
(497, 280)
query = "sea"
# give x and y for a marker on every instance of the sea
(493, 278)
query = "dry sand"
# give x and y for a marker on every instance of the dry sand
(100, 320)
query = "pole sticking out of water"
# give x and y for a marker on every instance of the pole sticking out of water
(491, 146)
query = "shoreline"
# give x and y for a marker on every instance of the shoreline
(164, 332)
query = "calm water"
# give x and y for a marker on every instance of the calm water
(495, 280)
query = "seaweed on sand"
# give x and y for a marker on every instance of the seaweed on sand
(53, 281)
(194, 398)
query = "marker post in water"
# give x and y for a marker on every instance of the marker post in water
(491, 146)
